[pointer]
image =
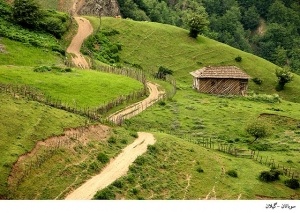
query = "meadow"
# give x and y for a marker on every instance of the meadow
(175, 167)
(151, 45)
(79, 88)
(22, 124)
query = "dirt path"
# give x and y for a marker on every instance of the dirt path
(84, 30)
(115, 169)
(138, 107)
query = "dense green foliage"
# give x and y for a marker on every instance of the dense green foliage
(284, 76)
(197, 23)
(238, 23)
(292, 183)
(257, 129)
(102, 47)
(269, 176)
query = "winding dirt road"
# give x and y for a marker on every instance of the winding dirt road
(115, 169)
(118, 166)
(84, 30)
(138, 107)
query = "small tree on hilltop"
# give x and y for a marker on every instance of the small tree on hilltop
(257, 129)
(284, 76)
(197, 23)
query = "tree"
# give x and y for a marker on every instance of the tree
(197, 23)
(163, 72)
(251, 18)
(27, 13)
(257, 129)
(284, 76)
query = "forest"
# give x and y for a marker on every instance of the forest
(269, 28)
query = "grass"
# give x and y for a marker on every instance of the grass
(54, 180)
(174, 49)
(19, 54)
(81, 88)
(170, 172)
(22, 123)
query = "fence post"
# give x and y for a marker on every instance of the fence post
(266, 160)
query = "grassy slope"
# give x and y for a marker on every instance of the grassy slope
(152, 45)
(83, 88)
(22, 123)
(18, 54)
(169, 171)
(223, 119)
(76, 165)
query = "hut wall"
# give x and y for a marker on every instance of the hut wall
(222, 86)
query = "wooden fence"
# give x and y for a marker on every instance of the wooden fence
(91, 113)
(228, 148)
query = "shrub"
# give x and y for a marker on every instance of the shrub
(93, 166)
(105, 194)
(152, 149)
(238, 59)
(264, 98)
(200, 170)
(232, 173)
(124, 141)
(269, 176)
(135, 191)
(133, 134)
(140, 160)
(103, 158)
(292, 183)
(42, 69)
(260, 146)
(112, 140)
(257, 81)
(161, 103)
(118, 183)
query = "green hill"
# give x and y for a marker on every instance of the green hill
(151, 45)
(171, 169)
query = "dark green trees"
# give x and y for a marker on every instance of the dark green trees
(27, 13)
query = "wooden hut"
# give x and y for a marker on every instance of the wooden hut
(221, 80)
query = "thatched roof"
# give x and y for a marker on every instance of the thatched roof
(220, 72)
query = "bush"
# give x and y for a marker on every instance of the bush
(112, 140)
(124, 141)
(93, 166)
(269, 176)
(105, 194)
(257, 81)
(42, 69)
(118, 183)
(264, 98)
(200, 170)
(103, 158)
(133, 134)
(232, 173)
(292, 183)
(152, 149)
(238, 59)
(260, 146)
(161, 103)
